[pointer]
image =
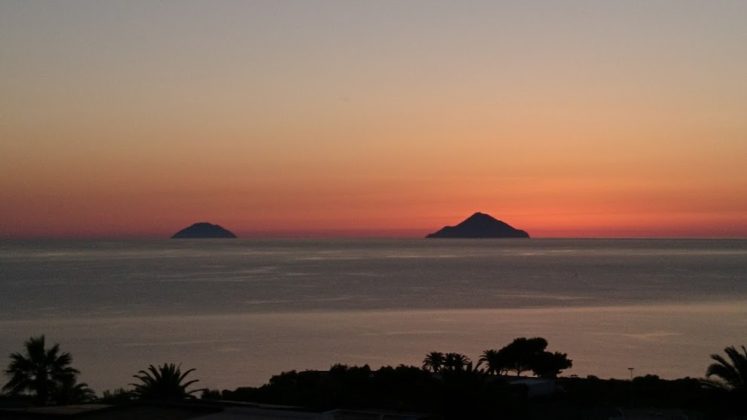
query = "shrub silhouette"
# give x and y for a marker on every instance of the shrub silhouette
(72, 392)
(451, 394)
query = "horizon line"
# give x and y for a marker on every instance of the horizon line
(353, 234)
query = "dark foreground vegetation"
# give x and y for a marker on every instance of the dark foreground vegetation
(519, 380)
(463, 395)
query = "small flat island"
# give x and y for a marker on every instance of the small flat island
(203, 230)
(480, 225)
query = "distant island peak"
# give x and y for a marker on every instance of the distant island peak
(480, 225)
(202, 230)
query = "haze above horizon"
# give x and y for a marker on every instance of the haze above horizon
(564, 118)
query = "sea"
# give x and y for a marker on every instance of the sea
(240, 311)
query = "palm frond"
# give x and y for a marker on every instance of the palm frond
(164, 382)
(732, 373)
(39, 371)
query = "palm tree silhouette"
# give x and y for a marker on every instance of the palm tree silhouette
(165, 382)
(732, 373)
(456, 362)
(39, 371)
(495, 360)
(434, 361)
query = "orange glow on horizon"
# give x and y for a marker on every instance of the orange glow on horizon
(363, 120)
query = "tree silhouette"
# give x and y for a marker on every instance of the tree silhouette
(165, 382)
(525, 354)
(42, 372)
(732, 373)
(456, 362)
(434, 361)
(495, 361)
(549, 365)
(520, 355)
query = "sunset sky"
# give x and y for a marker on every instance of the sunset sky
(381, 118)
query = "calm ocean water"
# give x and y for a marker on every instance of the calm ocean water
(242, 310)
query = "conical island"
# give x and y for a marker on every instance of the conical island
(480, 225)
(203, 230)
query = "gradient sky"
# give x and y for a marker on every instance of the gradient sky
(564, 118)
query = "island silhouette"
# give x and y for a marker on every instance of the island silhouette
(479, 225)
(202, 230)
